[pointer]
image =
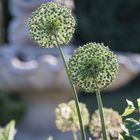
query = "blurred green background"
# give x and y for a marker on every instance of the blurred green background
(117, 24)
(11, 107)
(114, 22)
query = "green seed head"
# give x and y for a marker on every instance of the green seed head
(93, 67)
(112, 121)
(49, 21)
(67, 119)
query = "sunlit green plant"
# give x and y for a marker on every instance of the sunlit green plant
(131, 126)
(8, 132)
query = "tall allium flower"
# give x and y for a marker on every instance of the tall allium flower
(53, 25)
(93, 67)
(67, 119)
(49, 21)
(113, 121)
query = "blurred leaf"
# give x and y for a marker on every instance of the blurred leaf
(133, 127)
(126, 137)
(134, 138)
(8, 132)
(120, 137)
(124, 129)
(138, 100)
(130, 108)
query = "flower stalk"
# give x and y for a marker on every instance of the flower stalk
(100, 107)
(73, 90)
(93, 67)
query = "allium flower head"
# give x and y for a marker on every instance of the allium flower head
(112, 122)
(93, 67)
(67, 119)
(49, 21)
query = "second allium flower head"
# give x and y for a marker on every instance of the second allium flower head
(49, 21)
(93, 67)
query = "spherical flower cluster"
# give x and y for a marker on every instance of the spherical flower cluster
(112, 122)
(49, 21)
(93, 67)
(67, 119)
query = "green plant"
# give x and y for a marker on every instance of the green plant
(53, 25)
(8, 132)
(131, 126)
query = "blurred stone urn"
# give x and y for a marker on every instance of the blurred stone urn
(37, 74)
(39, 77)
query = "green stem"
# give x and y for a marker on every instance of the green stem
(100, 107)
(74, 92)
(75, 136)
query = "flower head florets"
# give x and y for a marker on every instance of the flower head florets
(49, 21)
(67, 119)
(93, 67)
(112, 121)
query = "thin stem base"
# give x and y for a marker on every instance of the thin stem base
(100, 107)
